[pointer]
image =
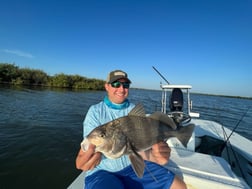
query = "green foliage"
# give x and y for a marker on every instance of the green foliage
(60, 80)
(32, 77)
(10, 73)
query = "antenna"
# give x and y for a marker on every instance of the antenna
(161, 75)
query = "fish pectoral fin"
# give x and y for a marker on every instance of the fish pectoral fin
(137, 164)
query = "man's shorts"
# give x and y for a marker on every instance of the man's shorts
(155, 176)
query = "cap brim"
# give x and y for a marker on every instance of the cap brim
(117, 78)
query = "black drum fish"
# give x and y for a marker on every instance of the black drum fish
(133, 133)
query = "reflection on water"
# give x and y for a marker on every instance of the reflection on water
(40, 130)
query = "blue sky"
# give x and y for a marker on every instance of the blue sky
(205, 43)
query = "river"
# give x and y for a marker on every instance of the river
(41, 130)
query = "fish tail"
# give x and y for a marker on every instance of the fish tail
(185, 133)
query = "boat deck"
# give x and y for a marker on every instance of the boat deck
(203, 171)
(211, 128)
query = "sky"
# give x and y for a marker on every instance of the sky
(203, 43)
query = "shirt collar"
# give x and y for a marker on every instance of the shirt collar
(112, 105)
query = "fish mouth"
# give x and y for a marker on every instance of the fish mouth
(85, 144)
(98, 142)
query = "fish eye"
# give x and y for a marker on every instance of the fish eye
(102, 135)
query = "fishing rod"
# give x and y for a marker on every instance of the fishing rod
(231, 147)
(161, 75)
(238, 123)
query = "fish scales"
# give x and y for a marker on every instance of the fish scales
(143, 132)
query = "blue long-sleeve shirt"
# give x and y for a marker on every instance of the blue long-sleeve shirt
(99, 114)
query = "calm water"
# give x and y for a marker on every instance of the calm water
(40, 130)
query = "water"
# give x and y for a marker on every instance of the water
(40, 130)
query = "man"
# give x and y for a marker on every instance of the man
(104, 173)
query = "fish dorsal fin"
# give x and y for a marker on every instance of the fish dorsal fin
(164, 119)
(137, 163)
(138, 110)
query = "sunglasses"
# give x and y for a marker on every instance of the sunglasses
(118, 84)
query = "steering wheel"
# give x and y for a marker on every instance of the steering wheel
(180, 118)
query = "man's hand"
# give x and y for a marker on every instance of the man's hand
(89, 159)
(159, 153)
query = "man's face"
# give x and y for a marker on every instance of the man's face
(117, 95)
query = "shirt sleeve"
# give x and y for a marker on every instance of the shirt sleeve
(91, 120)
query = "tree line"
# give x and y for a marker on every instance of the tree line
(12, 74)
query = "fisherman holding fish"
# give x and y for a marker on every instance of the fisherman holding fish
(114, 155)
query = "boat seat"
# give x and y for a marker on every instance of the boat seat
(176, 100)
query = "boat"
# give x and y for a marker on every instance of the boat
(215, 157)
